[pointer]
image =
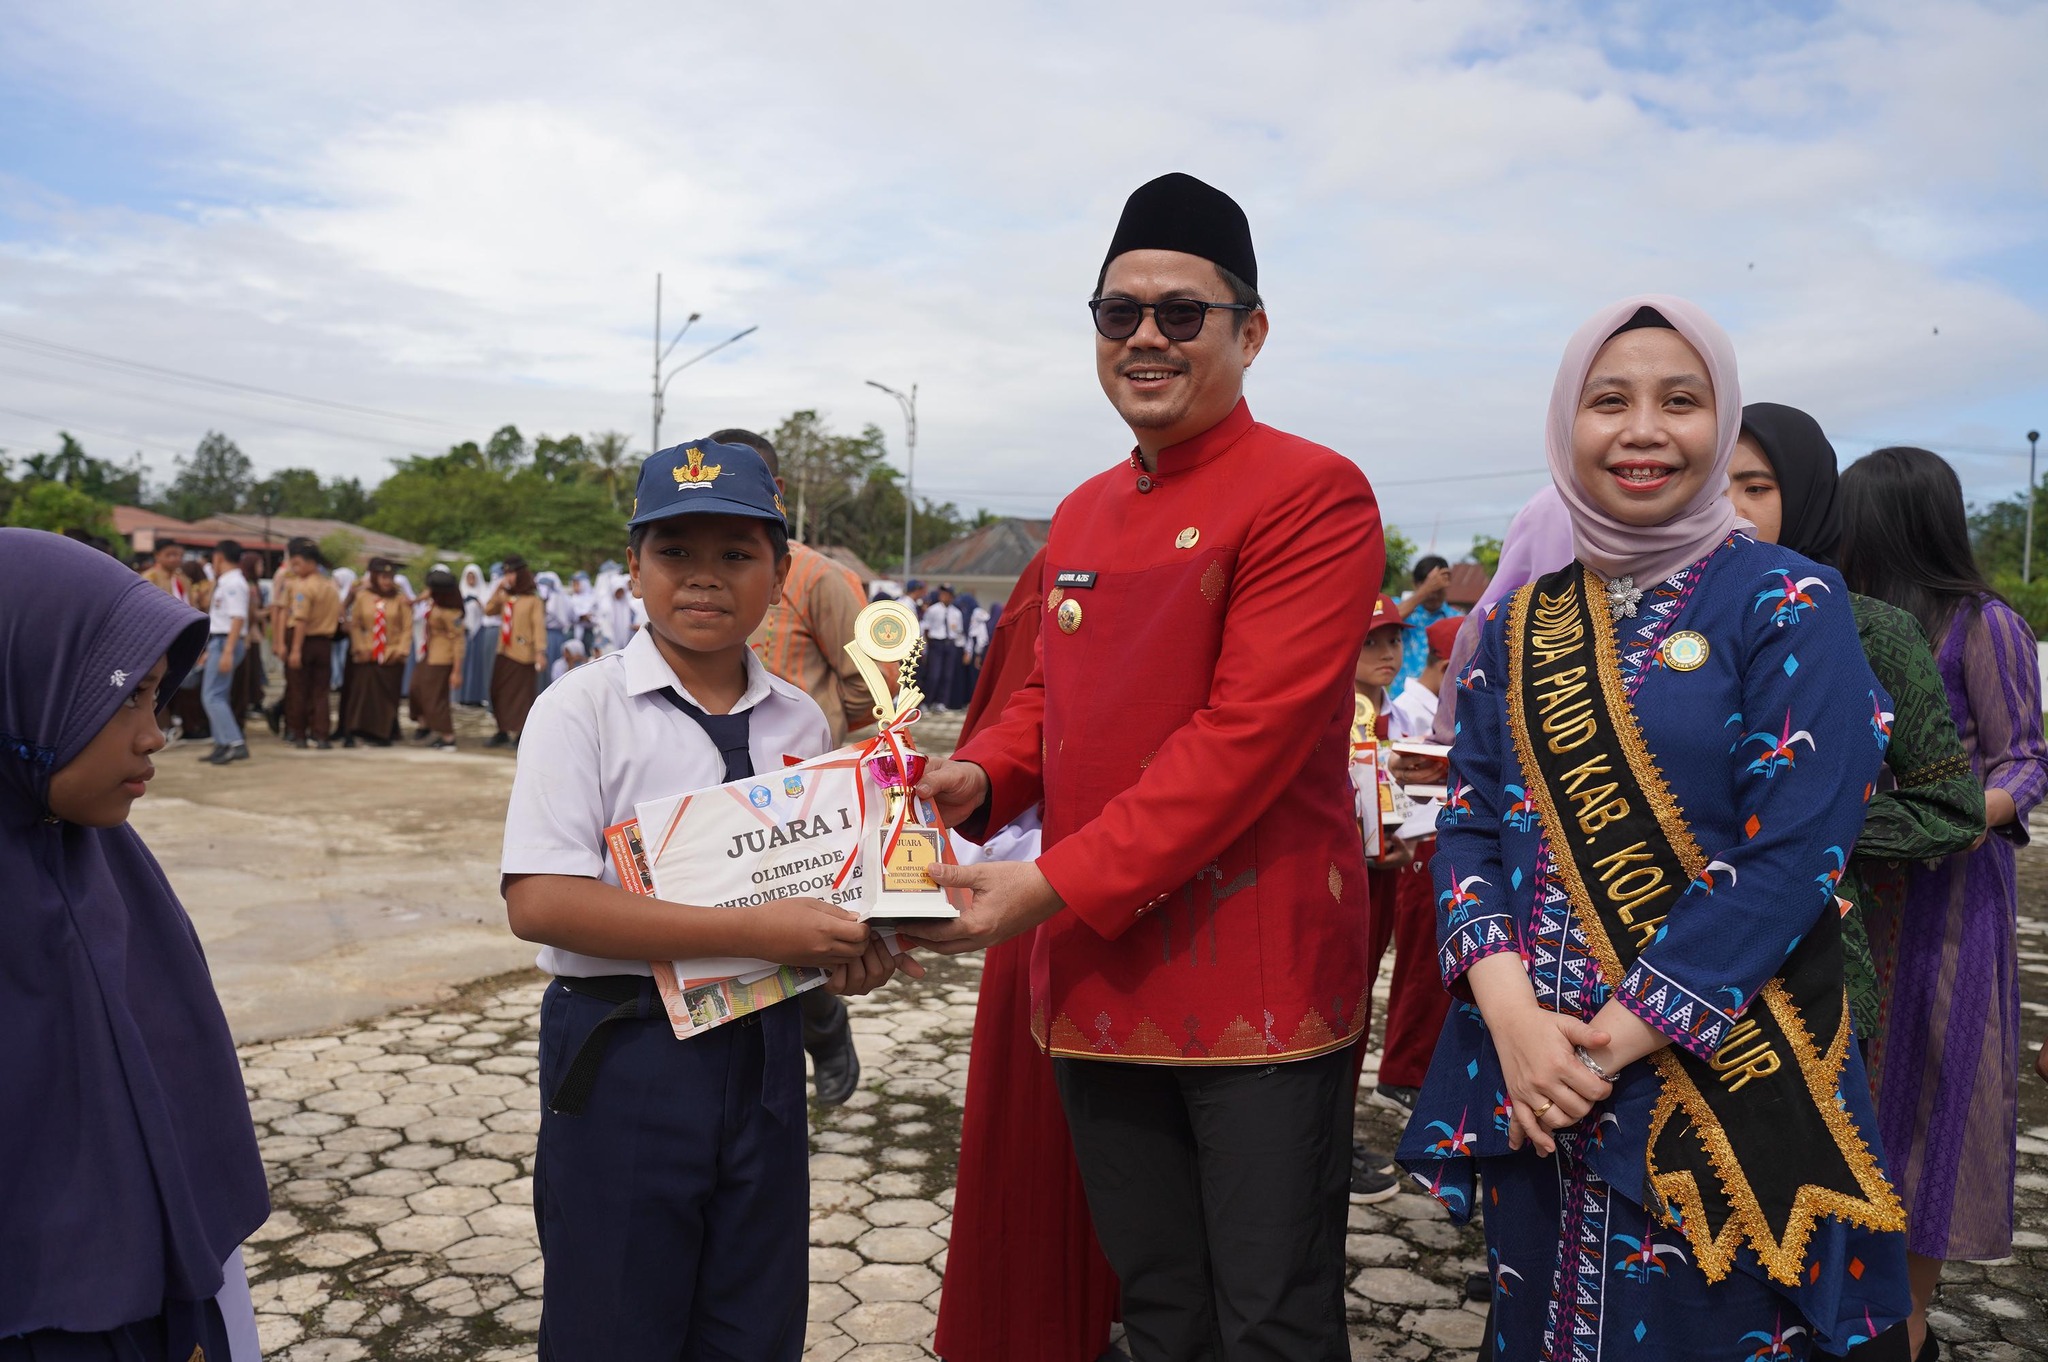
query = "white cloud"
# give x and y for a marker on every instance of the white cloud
(458, 210)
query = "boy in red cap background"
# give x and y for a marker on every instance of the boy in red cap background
(1417, 1001)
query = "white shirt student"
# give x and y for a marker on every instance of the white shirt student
(602, 739)
(942, 622)
(230, 602)
(1412, 713)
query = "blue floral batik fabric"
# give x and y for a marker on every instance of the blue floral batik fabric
(1769, 748)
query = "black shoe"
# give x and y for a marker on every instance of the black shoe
(498, 740)
(423, 735)
(349, 740)
(214, 754)
(835, 1064)
(224, 755)
(1479, 1287)
(323, 746)
(1370, 1182)
(1395, 1098)
(441, 745)
(274, 716)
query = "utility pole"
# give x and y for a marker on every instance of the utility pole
(909, 405)
(2027, 559)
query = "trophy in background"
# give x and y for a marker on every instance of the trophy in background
(904, 846)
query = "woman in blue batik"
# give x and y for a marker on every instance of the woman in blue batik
(1663, 756)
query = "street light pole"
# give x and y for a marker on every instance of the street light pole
(661, 354)
(909, 405)
(2027, 559)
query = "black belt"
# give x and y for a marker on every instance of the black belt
(633, 999)
(629, 994)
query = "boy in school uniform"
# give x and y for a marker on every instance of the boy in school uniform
(671, 1188)
(312, 613)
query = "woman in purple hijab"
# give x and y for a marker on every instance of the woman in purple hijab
(128, 1167)
(1947, 1066)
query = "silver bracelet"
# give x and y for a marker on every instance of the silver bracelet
(1593, 1064)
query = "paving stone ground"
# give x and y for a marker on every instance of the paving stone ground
(400, 1154)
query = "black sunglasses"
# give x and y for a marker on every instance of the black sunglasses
(1178, 319)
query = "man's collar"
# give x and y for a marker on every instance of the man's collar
(1212, 442)
(648, 671)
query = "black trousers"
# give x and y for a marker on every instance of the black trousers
(1219, 1194)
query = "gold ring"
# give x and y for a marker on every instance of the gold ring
(1545, 1107)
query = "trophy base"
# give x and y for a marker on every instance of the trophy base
(905, 892)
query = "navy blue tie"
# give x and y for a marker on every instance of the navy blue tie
(728, 733)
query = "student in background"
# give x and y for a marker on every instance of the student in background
(380, 636)
(482, 645)
(129, 1174)
(1373, 1178)
(433, 675)
(671, 1178)
(522, 650)
(559, 614)
(251, 677)
(1422, 607)
(1947, 1067)
(1416, 1001)
(574, 655)
(164, 573)
(227, 640)
(344, 587)
(313, 613)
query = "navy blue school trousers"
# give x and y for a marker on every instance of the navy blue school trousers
(674, 1212)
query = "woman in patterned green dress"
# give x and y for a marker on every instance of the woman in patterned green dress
(1783, 481)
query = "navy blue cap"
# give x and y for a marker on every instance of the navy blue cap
(705, 476)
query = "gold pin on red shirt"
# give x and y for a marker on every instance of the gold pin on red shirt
(1069, 615)
(1187, 538)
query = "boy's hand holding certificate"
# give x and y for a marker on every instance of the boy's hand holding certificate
(844, 828)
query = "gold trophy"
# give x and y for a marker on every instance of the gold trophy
(905, 845)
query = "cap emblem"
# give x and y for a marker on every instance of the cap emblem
(696, 473)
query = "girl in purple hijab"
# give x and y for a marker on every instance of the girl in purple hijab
(128, 1166)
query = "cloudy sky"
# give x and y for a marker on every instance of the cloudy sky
(452, 215)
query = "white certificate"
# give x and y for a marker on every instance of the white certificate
(788, 834)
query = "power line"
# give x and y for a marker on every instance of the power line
(212, 412)
(93, 358)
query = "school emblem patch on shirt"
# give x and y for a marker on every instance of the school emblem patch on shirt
(696, 473)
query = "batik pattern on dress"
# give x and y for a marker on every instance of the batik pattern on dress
(1768, 836)
(1950, 1059)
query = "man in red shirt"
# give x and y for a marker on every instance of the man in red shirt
(1201, 976)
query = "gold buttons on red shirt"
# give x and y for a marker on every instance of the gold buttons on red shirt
(1069, 615)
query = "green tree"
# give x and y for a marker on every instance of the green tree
(560, 460)
(289, 491)
(100, 479)
(1486, 551)
(58, 507)
(1400, 553)
(609, 462)
(217, 477)
(505, 450)
(346, 500)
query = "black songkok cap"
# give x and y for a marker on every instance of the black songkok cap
(1179, 213)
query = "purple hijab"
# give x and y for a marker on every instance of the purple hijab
(1539, 542)
(128, 1165)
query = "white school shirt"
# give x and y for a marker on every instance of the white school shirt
(602, 738)
(230, 603)
(1412, 713)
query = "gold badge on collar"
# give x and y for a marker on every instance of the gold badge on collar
(1187, 538)
(1685, 651)
(1069, 615)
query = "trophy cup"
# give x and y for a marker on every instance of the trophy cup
(905, 845)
